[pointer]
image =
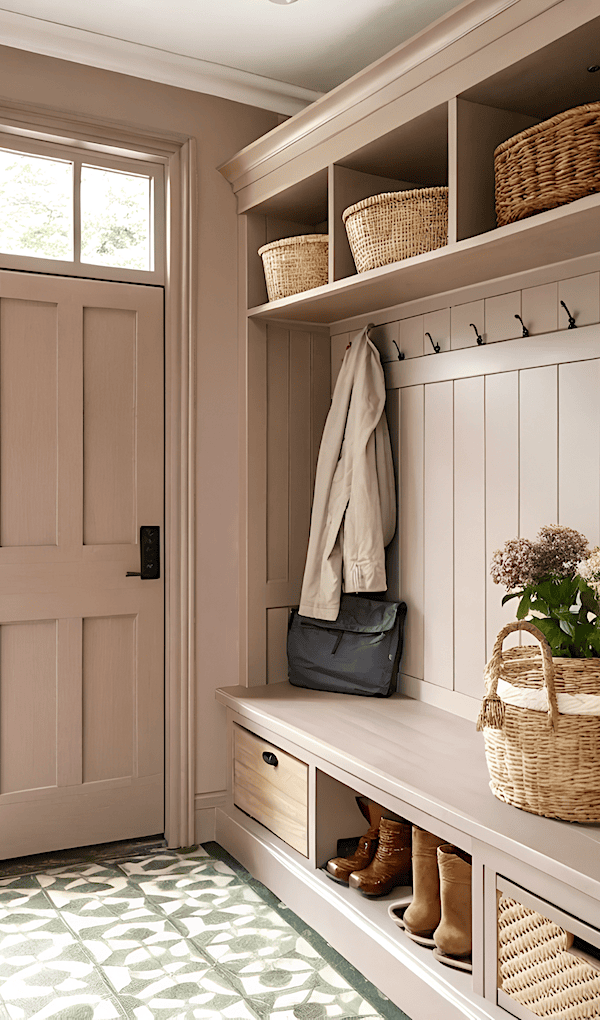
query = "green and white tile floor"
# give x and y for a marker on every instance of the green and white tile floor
(167, 935)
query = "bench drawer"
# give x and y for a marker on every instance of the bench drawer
(276, 794)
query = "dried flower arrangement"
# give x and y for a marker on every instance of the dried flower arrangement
(557, 582)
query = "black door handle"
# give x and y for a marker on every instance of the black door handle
(270, 758)
(149, 554)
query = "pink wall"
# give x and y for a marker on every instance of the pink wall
(221, 128)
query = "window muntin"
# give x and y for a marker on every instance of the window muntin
(136, 206)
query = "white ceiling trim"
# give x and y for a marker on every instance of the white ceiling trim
(82, 47)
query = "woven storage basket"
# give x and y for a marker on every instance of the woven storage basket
(546, 762)
(294, 264)
(391, 227)
(549, 164)
(536, 969)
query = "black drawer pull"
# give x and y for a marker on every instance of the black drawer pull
(270, 758)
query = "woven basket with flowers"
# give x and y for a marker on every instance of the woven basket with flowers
(541, 712)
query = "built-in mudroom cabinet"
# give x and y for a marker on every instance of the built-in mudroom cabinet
(493, 436)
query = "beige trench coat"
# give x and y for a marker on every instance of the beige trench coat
(354, 506)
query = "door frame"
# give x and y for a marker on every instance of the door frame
(178, 154)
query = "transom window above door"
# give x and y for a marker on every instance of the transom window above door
(79, 212)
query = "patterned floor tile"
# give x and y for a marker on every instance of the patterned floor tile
(165, 936)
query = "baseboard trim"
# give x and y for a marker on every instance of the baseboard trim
(205, 807)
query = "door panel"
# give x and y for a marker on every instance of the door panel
(28, 422)
(109, 414)
(81, 644)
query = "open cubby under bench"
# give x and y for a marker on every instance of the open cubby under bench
(426, 765)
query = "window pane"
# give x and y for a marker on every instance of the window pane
(115, 218)
(36, 203)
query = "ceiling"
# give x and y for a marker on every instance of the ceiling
(300, 51)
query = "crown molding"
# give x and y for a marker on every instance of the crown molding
(83, 47)
(377, 84)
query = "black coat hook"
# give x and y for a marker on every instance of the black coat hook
(525, 330)
(477, 333)
(400, 354)
(572, 323)
(436, 347)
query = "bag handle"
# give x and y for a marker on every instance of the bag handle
(492, 706)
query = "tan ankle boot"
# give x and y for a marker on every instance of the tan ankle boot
(452, 936)
(391, 864)
(423, 915)
(340, 868)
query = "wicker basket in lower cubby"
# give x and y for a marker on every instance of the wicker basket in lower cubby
(394, 226)
(294, 264)
(549, 164)
(540, 967)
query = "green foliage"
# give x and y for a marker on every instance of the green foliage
(566, 610)
(35, 197)
(114, 222)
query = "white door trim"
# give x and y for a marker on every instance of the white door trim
(179, 156)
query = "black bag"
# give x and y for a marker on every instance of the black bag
(359, 653)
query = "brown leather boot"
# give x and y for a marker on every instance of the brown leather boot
(391, 864)
(423, 915)
(340, 868)
(452, 936)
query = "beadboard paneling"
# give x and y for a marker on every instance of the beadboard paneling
(411, 497)
(285, 424)
(469, 534)
(438, 534)
(538, 449)
(579, 447)
(484, 458)
(501, 489)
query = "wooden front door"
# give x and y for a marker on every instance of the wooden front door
(81, 644)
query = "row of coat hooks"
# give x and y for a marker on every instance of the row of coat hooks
(480, 340)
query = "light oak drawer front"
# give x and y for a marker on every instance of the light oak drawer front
(276, 795)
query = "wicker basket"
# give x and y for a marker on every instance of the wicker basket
(536, 969)
(549, 164)
(546, 762)
(388, 228)
(294, 264)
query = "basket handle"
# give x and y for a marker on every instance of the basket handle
(492, 706)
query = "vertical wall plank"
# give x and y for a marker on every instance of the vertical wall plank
(538, 449)
(321, 388)
(393, 562)
(278, 398)
(256, 539)
(277, 627)
(439, 535)
(579, 447)
(28, 440)
(469, 536)
(411, 525)
(501, 489)
(299, 454)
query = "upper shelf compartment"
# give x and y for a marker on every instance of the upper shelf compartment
(300, 209)
(553, 236)
(413, 155)
(546, 82)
